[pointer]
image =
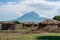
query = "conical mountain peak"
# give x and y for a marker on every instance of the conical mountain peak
(30, 17)
(31, 14)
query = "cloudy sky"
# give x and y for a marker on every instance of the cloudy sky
(12, 9)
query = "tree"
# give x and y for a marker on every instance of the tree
(17, 22)
(56, 18)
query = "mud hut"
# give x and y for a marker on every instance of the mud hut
(27, 24)
(49, 25)
(35, 24)
(7, 26)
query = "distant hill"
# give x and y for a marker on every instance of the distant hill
(30, 17)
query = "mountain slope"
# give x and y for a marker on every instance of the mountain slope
(30, 17)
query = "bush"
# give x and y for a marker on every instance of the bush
(17, 22)
(56, 18)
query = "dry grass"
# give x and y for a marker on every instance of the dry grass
(18, 36)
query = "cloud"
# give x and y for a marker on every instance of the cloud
(45, 8)
(11, 8)
(53, 0)
(42, 7)
(9, 1)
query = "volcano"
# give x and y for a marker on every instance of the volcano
(30, 17)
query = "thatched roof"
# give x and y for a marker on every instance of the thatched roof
(50, 22)
(7, 23)
(27, 23)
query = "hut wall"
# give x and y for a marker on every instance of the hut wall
(0, 26)
(26, 25)
(5, 26)
(12, 27)
(8, 26)
(46, 26)
(58, 25)
(42, 26)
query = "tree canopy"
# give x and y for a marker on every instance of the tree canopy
(56, 18)
(17, 22)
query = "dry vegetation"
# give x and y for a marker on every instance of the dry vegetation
(25, 34)
(18, 36)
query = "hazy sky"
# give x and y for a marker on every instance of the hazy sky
(12, 9)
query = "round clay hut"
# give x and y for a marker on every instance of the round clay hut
(8, 25)
(49, 24)
(35, 24)
(27, 24)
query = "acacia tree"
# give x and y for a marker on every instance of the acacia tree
(56, 18)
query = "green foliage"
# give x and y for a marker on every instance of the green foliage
(48, 37)
(1, 21)
(17, 22)
(40, 36)
(57, 18)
